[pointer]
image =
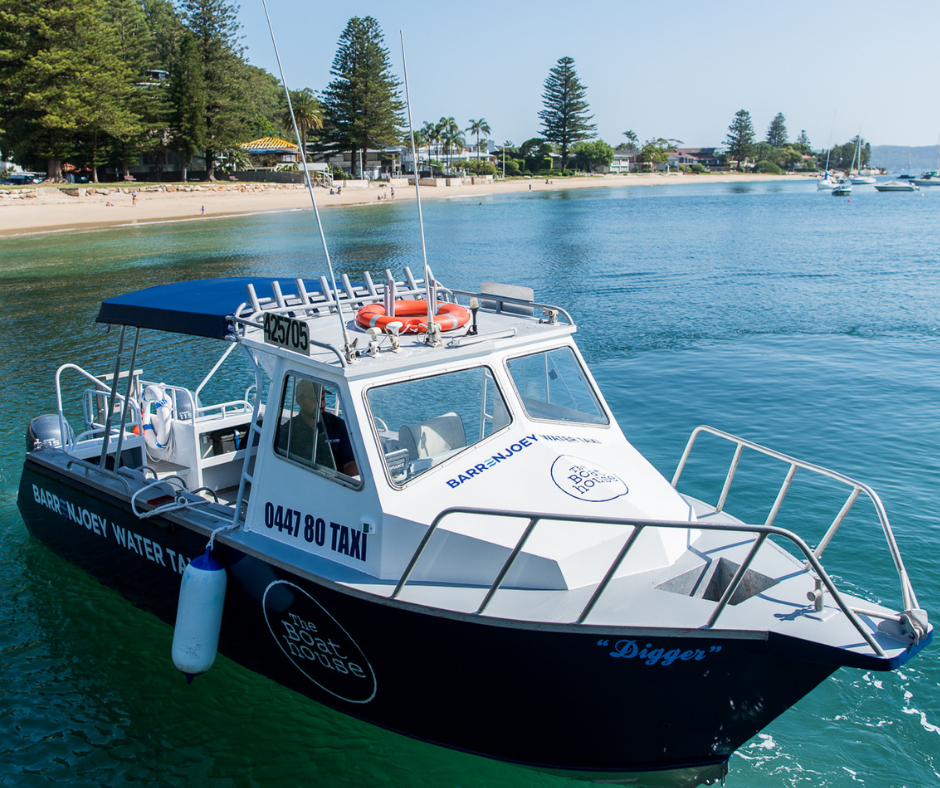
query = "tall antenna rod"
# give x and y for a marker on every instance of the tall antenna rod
(303, 160)
(414, 157)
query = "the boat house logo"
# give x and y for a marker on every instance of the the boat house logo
(586, 481)
(318, 645)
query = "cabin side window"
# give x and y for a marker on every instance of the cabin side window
(313, 430)
(554, 387)
(421, 423)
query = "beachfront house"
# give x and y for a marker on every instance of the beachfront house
(625, 161)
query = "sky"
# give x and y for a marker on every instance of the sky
(680, 71)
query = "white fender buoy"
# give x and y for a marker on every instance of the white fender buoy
(199, 616)
(156, 424)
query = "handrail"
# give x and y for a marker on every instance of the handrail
(636, 526)
(101, 388)
(87, 466)
(326, 298)
(907, 591)
(501, 299)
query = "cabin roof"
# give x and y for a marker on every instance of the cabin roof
(198, 308)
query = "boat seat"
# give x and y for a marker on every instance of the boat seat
(432, 437)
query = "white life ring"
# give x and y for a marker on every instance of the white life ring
(156, 416)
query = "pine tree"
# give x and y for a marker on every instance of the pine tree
(136, 50)
(565, 119)
(60, 78)
(777, 131)
(362, 106)
(188, 98)
(740, 140)
(214, 23)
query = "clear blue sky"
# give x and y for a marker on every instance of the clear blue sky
(679, 70)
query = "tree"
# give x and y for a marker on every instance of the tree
(59, 77)
(361, 105)
(135, 47)
(535, 152)
(451, 137)
(655, 152)
(740, 140)
(214, 23)
(565, 119)
(631, 143)
(428, 133)
(188, 97)
(307, 113)
(777, 131)
(478, 128)
(166, 30)
(264, 99)
(591, 155)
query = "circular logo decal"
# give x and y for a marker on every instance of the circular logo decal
(586, 481)
(318, 645)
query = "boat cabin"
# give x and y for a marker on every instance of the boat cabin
(356, 440)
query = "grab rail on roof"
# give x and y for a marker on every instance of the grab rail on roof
(304, 304)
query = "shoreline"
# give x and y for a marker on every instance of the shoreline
(46, 210)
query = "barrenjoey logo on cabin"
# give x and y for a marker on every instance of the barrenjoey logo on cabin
(586, 481)
(317, 643)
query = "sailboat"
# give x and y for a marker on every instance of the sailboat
(826, 183)
(859, 177)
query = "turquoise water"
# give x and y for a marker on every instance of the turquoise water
(802, 321)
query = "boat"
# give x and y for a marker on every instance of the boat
(826, 182)
(860, 177)
(843, 189)
(431, 520)
(897, 186)
(931, 178)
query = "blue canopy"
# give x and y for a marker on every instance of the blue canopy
(197, 308)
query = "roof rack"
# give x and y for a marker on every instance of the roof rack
(324, 300)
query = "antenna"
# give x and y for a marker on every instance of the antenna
(429, 290)
(303, 160)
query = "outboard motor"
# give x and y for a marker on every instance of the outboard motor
(45, 432)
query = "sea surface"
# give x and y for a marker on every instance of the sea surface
(802, 321)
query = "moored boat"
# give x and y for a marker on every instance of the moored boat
(446, 533)
(931, 178)
(897, 186)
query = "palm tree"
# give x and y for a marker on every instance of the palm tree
(429, 133)
(478, 127)
(307, 112)
(450, 135)
(420, 141)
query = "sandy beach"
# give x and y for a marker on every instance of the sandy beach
(43, 209)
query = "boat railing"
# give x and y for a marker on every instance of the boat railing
(913, 622)
(325, 300)
(95, 430)
(181, 397)
(356, 295)
(856, 489)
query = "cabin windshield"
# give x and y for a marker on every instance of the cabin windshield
(420, 423)
(554, 387)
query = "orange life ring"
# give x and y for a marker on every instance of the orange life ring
(413, 316)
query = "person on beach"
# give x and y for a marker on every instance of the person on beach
(203, 210)
(134, 196)
(393, 192)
